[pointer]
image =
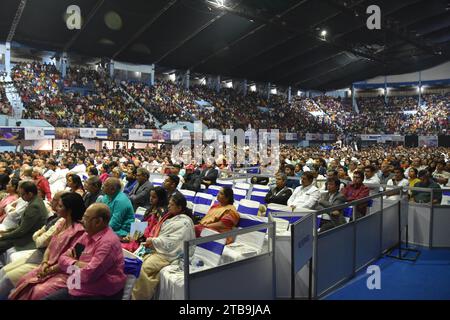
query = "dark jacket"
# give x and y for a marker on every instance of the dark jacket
(337, 217)
(278, 196)
(33, 218)
(209, 175)
(140, 195)
(90, 198)
(192, 182)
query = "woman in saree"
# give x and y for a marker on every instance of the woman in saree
(47, 277)
(11, 189)
(221, 217)
(30, 259)
(165, 245)
(158, 206)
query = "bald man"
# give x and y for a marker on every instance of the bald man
(122, 213)
(100, 262)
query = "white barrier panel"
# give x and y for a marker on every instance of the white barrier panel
(368, 239)
(419, 218)
(283, 254)
(251, 278)
(441, 226)
(335, 254)
(390, 224)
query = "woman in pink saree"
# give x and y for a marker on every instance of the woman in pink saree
(12, 196)
(47, 278)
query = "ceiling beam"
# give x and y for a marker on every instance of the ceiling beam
(317, 75)
(306, 66)
(83, 27)
(245, 36)
(388, 26)
(192, 35)
(144, 28)
(277, 44)
(296, 55)
(16, 20)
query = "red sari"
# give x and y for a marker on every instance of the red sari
(152, 218)
(30, 286)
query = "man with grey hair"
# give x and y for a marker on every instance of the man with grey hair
(122, 213)
(280, 193)
(41, 183)
(140, 194)
(93, 186)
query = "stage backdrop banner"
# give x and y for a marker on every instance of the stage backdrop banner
(89, 133)
(102, 133)
(140, 135)
(42, 133)
(8, 133)
(67, 133)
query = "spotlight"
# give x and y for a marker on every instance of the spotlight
(323, 33)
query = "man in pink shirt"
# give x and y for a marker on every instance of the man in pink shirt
(96, 262)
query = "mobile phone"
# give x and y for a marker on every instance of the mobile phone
(79, 248)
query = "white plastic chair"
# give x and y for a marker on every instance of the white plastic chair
(190, 196)
(213, 190)
(224, 183)
(239, 194)
(248, 207)
(158, 182)
(258, 196)
(242, 185)
(131, 279)
(261, 188)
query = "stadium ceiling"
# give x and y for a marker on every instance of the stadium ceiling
(277, 41)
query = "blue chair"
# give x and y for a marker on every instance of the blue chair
(260, 188)
(213, 190)
(249, 207)
(258, 196)
(224, 183)
(203, 198)
(239, 194)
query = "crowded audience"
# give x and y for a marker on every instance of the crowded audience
(56, 212)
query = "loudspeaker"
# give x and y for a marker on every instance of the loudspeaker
(444, 141)
(412, 141)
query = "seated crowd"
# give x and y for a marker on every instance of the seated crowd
(98, 103)
(89, 98)
(5, 106)
(72, 212)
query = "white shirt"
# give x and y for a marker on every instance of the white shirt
(404, 183)
(57, 180)
(13, 214)
(307, 197)
(373, 180)
(79, 168)
(48, 173)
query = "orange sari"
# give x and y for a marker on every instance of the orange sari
(226, 214)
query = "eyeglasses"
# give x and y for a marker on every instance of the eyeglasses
(88, 219)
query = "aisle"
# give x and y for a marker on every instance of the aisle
(428, 278)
